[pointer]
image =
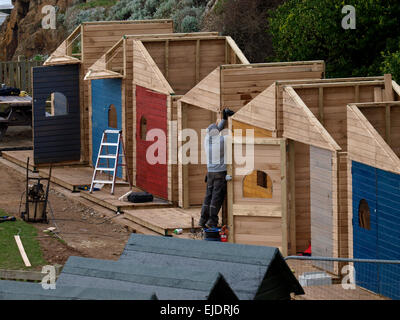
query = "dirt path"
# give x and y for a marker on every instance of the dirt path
(86, 232)
(18, 136)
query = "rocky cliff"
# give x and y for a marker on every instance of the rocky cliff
(22, 32)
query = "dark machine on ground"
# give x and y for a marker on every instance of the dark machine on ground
(36, 197)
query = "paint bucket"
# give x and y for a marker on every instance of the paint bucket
(212, 234)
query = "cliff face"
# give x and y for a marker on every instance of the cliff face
(22, 32)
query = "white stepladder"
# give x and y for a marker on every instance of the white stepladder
(108, 156)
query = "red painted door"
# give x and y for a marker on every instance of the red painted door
(151, 113)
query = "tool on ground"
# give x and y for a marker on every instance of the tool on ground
(140, 197)
(212, 234)
(110, 156)
(7, 218)
(36, 197)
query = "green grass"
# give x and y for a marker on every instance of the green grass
(10, 257)
(96, 3)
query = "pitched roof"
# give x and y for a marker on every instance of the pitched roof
(253, 272)
(15, 290)
(168, 283)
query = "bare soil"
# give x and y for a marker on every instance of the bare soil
(18, 136)
(84, 231)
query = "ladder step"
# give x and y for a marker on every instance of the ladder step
(109, 144)
(108, 156)
(113, 131)
(103, 181)
(104, 169)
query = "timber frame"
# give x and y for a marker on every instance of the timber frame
(91, 40)
(294, 101)
(236, 87)
(373, 137)
(161, 63)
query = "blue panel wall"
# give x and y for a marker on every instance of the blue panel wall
(382, 191)
(388, 197)
(365, 241)
(104, 93)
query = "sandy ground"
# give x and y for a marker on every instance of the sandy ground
(18, 136)
(86, 232)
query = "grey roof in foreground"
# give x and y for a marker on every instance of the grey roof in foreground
(253, 272)
(168, 283)
(16, 290)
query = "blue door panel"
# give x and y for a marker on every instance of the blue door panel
(383, 240)
(105, 92)
(365, 241)
(388, 198)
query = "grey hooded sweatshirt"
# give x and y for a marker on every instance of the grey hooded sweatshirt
(214, 145)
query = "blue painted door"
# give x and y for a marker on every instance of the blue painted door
(365, 237)
(106, 94)
(388, 198)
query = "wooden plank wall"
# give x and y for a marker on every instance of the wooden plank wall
(241, 85)
(197, 119)
(343, 204)
(377, 117)
(185, 62)
(206, 94)
(56, 139)
(330, 110)
(301, 125)
(259, 221)
(302, 195)
(261, 111)
(366, 145)
(97, 38)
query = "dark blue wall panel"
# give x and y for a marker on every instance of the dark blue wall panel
(388, 197)
(104, 93)
(365, 241)
(56, 138)
(382, 191)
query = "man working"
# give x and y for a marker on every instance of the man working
(216, 172)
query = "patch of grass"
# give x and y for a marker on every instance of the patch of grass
(96, 3)
(10, 257)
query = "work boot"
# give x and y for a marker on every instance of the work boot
(202, 223)
(211, 224)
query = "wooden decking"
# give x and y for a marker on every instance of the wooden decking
(20, 157)
(158, 217)
(165, 220)
(104, 198)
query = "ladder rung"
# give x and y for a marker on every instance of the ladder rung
(103, 181)
(108, 156)
(109, 144)
(112, 131)
(104, 169)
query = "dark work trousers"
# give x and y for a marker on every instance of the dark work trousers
(215, 196)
